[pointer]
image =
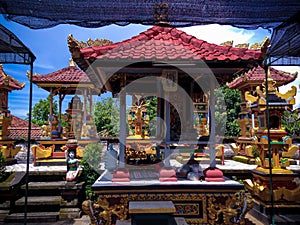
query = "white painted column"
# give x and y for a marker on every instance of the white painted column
(168, 127)
(122, 144)
(50, 107)
(212, 125)
(84, 106)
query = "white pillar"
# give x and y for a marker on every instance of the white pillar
(122, 139)
(168, 127)
(50, 107)
(212, 128)
(84, 106)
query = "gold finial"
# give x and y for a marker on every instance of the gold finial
(75, 46)
(28, 74)
(250, 98)
(289, 95)
(72, 63)
(227, 43)
(271, 84)
(98, 42)
(263, 45)
(244, 45)
(161, 13)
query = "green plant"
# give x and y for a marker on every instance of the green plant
(255, 152)
(2, 166)
(91, 168)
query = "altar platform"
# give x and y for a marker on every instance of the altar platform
(198, 202)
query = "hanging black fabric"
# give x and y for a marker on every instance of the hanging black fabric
(12, 50)
(95, 13)
(285, 43)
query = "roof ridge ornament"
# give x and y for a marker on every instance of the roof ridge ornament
(72, 63)
(161, 14)
(98, 42)
(227, 43)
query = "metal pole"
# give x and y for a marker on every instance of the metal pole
(28, 143)
(269, 146)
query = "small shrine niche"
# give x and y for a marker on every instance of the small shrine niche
(74, 117)
(200, 103)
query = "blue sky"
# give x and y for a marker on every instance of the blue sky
(52, 53)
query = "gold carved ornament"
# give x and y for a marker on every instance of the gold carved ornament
(234, 210)
(101, 212)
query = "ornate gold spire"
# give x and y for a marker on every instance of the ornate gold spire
(271, 85)
(75, 46)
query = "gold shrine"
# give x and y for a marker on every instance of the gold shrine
(7, 84)
(272, 145)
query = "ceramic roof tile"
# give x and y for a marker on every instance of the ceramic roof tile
(19, 128)
(69, 74)
(257, 74)
(8, 82)
(164, 40)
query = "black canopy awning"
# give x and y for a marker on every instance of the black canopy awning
(12, 50)
(285, 43)
(94, 13)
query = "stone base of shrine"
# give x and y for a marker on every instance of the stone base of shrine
(284, 186)
(198, 202)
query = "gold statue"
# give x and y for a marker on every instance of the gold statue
(138, 121)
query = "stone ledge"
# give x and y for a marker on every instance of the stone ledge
(39, 200)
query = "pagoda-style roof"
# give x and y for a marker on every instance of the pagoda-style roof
(161, 43)
(255, 76)
(19, 128)
(68, 78)
(9, 83)
(144, 54)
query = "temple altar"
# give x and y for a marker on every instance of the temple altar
(193, 200)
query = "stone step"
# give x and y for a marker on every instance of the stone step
(3, 214)
(38, 217)
(52, 185)
(39, 200)
(44, 185)
(69, 213)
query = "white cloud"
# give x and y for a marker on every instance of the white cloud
(21, 113)
(46, 66)
(217, 34)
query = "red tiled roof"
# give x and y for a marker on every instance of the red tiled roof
(168, 43)
(257, 75)
(8, 82)
(69, 74)
(19, 128)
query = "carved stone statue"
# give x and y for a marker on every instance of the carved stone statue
(72, 162)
